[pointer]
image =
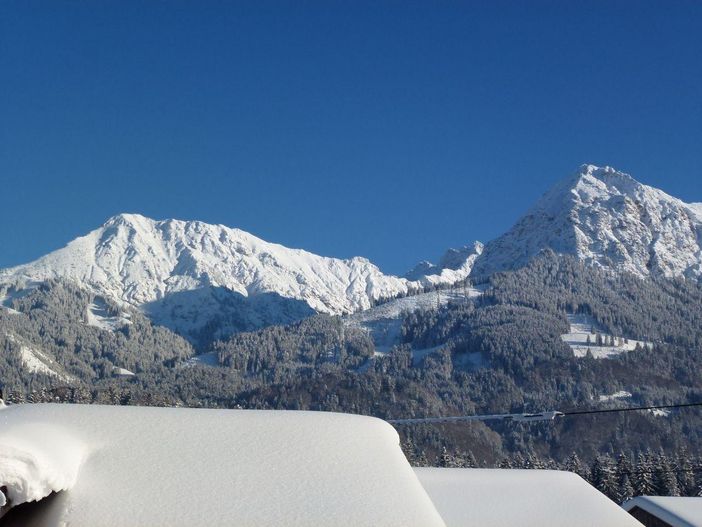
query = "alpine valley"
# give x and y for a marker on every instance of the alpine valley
(593, 299)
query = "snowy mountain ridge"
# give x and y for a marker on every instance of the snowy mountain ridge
(182, 273)
(607, 219)
(191, 276)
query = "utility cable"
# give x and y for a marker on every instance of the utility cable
(539, 416)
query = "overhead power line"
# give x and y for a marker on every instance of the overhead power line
(631, 409)
(528, 417)
(542, 416)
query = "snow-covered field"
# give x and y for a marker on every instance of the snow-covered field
(583, 327)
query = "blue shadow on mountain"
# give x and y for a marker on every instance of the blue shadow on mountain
(213, 313)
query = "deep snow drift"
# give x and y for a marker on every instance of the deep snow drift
(182, 467)
(117, 466)
(36, 459)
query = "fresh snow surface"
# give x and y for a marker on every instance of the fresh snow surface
(159, 467)
(582, 327)
(621, 394)
(696, 209)
(38, 362)
(505, 498)
(675, 511)
(607, 219)
(36, 459)
(181, 269)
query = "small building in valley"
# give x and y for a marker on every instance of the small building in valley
(666, 511)
(529, 498)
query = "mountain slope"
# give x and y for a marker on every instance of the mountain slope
(186, 274)
(208, 281)
(607, 219)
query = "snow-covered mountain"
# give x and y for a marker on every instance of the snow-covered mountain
(607, 219)
(209, 280)
(184, 274)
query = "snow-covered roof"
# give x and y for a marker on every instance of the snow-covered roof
(115, 466)
(539, 498)
(183, 467)
(676, 511)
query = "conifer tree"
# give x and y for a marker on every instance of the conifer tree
(643, 476)
(603, 478)
(685, 474)
(533, 462)
(623, 467)
(445, 459)
(422, 460)
(573, 464)
(664, 478)
(468, 460)
(625, 491)
(505, 463)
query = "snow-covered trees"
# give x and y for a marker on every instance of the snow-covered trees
(643, 475)
(501, 352)
(664, 477)
(602, 476)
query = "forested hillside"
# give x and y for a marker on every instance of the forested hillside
(499, 352)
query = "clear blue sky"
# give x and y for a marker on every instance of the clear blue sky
(391, 130)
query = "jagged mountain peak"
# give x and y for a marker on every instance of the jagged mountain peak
(136, 259)
(587, 185)
(126, 218)
(605, 174)
(454, 266)
(456, 258)
(608, 219)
